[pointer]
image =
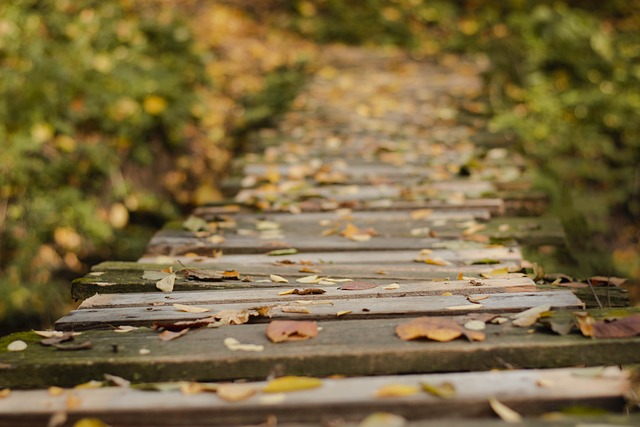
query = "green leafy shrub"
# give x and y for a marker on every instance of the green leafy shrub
(95, 98)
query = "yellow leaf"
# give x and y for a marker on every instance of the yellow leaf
(383, 419)
(90, 422)
(343, 313)
(308, 279)
(436, 261)
(154, 104)
(278, 279)
(444, 390)
(235, 392)
(291, 309)
(507, 414)
(291, 383)
(55, 391)
(5, 392)
(287, 292)
(190, 308)
(397, 390)
(495, 273)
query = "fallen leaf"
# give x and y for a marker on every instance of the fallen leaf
(90, 385)
(55, 391)
(475, 298)
(396, 390)
(308, 279)
(166, 284)
(476, 306)
(124, 329)
(444, 390)
(309, 291)
(291, 330)
(309, 270)
(235, 392)
(585, 323)
(267, 225)
(190, 308)
(314, 302)
(436, 261)
(231, 274)
(234, 317)
(234, 345)
(292, 309)
(170, 335)
(617, 328)
(420, 214)
(473, 229)
(475, 325)
(4, 393)
(505, 413)
(383, 419)
(116, 381)
(67, 336)
(356, 234)
(88, 422)
(391, 287)
(440, 329)
(485, 261)
(53, 334)
(17, 345)
(495, 273)
(273, 399)
(278, 279)
(287, 292)
(203, 275)
(343, 313)
(58, 419)
(357, 286)
(291, 383)
(531, 316)
(195, 224)
(282, 252)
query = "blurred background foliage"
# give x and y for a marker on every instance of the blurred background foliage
(118, 115)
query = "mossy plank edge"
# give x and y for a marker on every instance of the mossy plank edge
(354, 347)
(351, 398)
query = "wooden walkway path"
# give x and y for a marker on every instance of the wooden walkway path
(369, 271)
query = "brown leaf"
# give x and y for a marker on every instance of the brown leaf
(203, 275)
(618, 328)
(170, 335)
(291, 330)
(585, 323)
(67, 336)
(309, 291)
(357, 286)
(440, 329)
(85, 345)
(231, 275)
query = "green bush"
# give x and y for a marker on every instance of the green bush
(93, 95)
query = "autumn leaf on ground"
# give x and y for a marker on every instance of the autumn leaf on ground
(436, 261)
(291, 330)
(383, 419)
(277, 279)
(4, 393)
(507, 414)
(357, 286)
(235, 345)
(585, 322)
(195, 224)
(291, 383)
(440, 329)
(396, 390)
(498, 272)
(531, 316)
(190, 308)
(356, 234)
(282, 252)
(170, 335)
(293, 309)
(203, 275)
(231, 275)
(444, 390)
(90, 422)
(618, 328)
(164, 281)
(235, 392)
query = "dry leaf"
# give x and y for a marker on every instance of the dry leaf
(397, 390)
(383, 419)
(314, 302)
(444, 390)
(4, 393)
(203, 275)
(170, 335)
(440, 329)
(234, 317)
(585, 323)
(277, 279)
(465, 307)
(308, 279)
(291, 330)
(475, 298)
(287, 292)
(436, 261)
(291, 383)
(507, 414)
(391, 287)
(309, 270)
(55, 391)
(117, 381)
(234, 345)
(291, 309)
(617, 328)
(235, 392)
(88, 422)
(357, 286)
(420, 214)
(231, 275)
(495, 273)
(282, 252)
(124, 329)
(475, 325)
(531, 316)
(166, 284)
(343, 313)
(190, 308)
(356, 234)
(55, 334)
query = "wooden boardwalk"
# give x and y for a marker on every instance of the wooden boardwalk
(368, 271)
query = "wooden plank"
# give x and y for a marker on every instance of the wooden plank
(347, 347)
(457, 258)
(361, 307)
(349, 399)
(406, 289)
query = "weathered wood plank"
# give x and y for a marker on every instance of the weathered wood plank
(350, 399)
(363, 306)
(346, 347)
(406, 289)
